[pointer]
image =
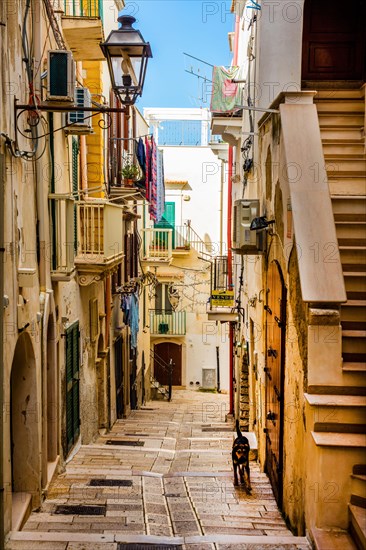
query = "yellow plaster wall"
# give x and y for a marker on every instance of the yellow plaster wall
(95, 141)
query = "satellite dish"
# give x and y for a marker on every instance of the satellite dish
(208, 243)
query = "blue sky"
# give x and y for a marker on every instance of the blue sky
(197, 27)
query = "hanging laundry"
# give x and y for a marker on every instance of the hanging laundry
(148, 168)
(160, 187)
(130, 309)
(134, 320)
(225, 92)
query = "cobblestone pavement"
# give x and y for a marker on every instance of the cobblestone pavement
(170, 484)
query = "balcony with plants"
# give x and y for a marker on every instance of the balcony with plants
(125, 175)
(82, 25)
(99, 239)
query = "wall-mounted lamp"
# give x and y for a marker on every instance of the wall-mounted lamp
(127, 55)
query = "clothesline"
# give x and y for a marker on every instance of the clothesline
(131, 138)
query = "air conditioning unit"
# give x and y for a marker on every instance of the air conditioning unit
(246, 241)
(81, 122)
(61, 76)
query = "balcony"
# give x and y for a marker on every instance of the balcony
(121, 188)
(167, 323)
(228, 127)
(157, 245)
(82, 25)
(62, 210)
(222, 300)
(99, 239)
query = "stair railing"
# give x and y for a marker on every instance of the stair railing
(168, 368)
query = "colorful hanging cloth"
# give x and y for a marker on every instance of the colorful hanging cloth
(225, 92)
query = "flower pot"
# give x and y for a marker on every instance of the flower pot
(128, 182)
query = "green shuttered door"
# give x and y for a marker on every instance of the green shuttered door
(72, 385)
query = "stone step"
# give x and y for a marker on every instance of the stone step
(351, 229)
(351, 185)
(355, 284)
(358, 485)
(354, 341)
(265, 541)
(341, 120)
(343, 149)
(339, 94)
(338, 106)
(332, 540)
(354, 367)
(355, 255)
(357, 518)
(340, 167)
(349, 204)
(333, 439)
(347, 135)
(333, 408)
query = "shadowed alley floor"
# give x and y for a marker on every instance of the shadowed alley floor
(163, 476)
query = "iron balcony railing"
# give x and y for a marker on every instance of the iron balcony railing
(99, 231)
(83, 8)
(167, 323)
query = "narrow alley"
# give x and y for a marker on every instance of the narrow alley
(162, 478)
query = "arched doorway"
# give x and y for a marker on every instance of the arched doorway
(168, 351)
(25, 421)
(275, 363)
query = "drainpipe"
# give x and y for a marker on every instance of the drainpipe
(229, 254)
(230, 280)
(2, 260)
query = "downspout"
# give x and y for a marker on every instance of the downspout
(229, 253)
(43, 239)
(2, 260)
(2, 264)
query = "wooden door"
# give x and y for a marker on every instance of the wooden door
(118, 369)
(72, 385)
(168, 220)
(333, 40)
(275, 345)
(167, 351)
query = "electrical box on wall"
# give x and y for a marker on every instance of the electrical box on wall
(27, 277)
(246, 241)
(61, 76)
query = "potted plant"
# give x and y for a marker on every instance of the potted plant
(130, 173)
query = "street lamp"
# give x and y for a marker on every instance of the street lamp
(127, 54)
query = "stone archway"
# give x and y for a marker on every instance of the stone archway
(25, 421)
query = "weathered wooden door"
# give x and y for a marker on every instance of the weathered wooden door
(118, 369)
(167, 351)
(72, 384)
(333, 40)
(275, 345)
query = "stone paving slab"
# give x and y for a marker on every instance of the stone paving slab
(182, 489)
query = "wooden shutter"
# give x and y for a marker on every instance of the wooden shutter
(72, 385)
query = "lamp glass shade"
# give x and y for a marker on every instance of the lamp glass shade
(127, 54)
